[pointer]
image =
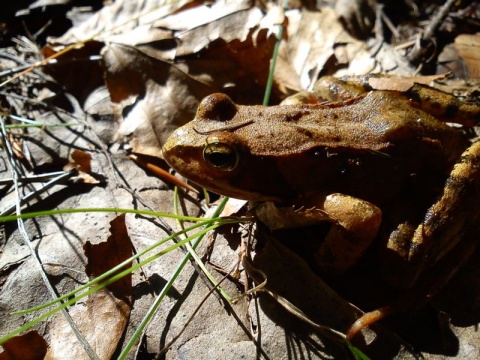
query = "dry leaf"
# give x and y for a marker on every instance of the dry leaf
(119, 17)
(81, 161)
(106, 255)
(468, 46)
(102, 318)
(232, 207)
(153, 95)
(308, 48)
(401, 83)
(29, 346)
(71, 73)
(358, 16)
(317, 43)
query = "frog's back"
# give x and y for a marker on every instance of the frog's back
(377, 122)
(368, 147)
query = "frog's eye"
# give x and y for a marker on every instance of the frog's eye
(216, 107)
(220, 156)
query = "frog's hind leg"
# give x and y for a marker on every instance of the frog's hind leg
(425, 290)
(443, 106)
(442, 243)
(446, 223)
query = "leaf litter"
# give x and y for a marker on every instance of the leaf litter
(139, 71)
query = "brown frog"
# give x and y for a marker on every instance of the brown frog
(374, 163)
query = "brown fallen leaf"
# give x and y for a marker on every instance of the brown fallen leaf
(102, 318)
(119, 17)
(104, 256)
(29, 346)
(318, 44)
(468, 46)
(157, 78)
(308, 49)
(81, 161)
(150, 97)
(401, 83)
(233, 207)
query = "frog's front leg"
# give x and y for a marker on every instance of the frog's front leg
(355, 224)
(446, 223)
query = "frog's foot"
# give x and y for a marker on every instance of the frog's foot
(441, 244)
(446, 224)
(355, 226)
(425, 290)
(368, 319)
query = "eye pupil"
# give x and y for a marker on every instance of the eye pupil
(220, 159)
(220, 156)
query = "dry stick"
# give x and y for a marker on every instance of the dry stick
(157, 170)
(43, 62)
(378, 27)
(437, 19)
(418, 52)
(389, 23)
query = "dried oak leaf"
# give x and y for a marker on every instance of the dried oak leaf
(102, 318)
(401, 83)
(156, 85)
(29, 346)
(106, 255)
(317, 43)
(468, 46)
(81, 161)
(119, 17)
(150, 97)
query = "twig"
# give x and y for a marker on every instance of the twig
(61, 178)
(419, 51)
(21, 228)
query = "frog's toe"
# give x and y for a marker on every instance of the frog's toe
(367, 320)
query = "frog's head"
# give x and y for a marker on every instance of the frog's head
(210, 153)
